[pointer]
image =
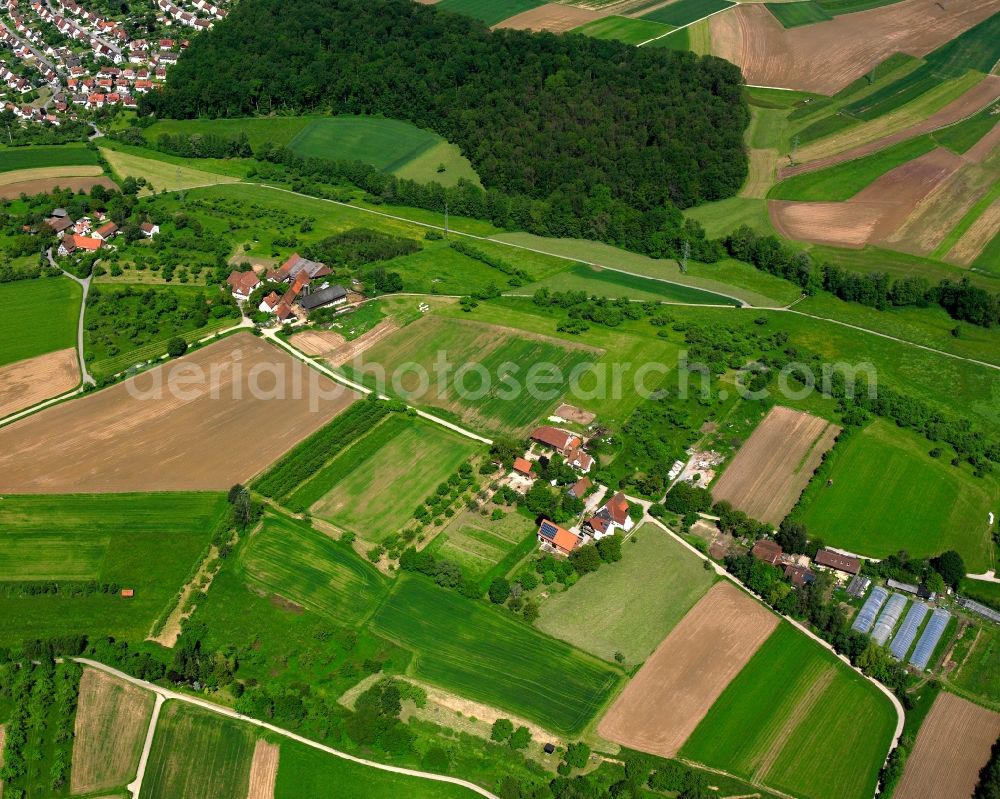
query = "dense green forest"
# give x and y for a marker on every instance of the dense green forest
(559, 118)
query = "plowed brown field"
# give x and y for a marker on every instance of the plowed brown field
(952, 746)
(263, 771)
(25, 383)
(111, 722)
(872, 215)
(205, 421)
(827, 56)
(11, 191)
(773, 466)
(551, 17)
(677, 686)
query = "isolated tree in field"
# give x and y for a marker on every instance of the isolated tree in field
(502, 730)
(176, 347)
(610, 549)
(586, 559)
(499, 590)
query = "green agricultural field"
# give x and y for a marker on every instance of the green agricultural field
(148, 542)
(836, 7)
(483, 546)
(484, 654)
(631, 605)
(675, 40)
(16, 158)
(791, 15)
(290, 559)
(722, 217)
(387, 144)
(684, 12)
(978, 673)
(259, 131)
(374, 487)
(797, 719)
(844, 180)
(37, 316)
(307, 773)
(159, 174)
(438, 269)
(629, 345)
(960, 138)
(609, 283)
(745, 285)
(490, 399)
(624, 29)
(489, 11)
(889, 494)
(198, 753)
(989, 258)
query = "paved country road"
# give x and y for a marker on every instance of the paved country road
(85, 285)
(163, 694)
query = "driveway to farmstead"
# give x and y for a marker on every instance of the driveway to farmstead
(85, 285)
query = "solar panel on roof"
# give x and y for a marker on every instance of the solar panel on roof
(548, 529)
(908, 630)
(929, 639)
(866, 616)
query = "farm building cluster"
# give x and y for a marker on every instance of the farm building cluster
(305, 289)
(60, 56)
(597, 520)
(88, 234)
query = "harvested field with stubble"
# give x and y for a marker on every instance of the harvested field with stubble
(335, 349)
(205, 421)
(679, 683)
(803, 58)
(552, 17)
(25, 383)
(49, 172)
(979, 234)
(775, 464)
(872, 215)
(952, 745)
(111, 721)
(263, 770)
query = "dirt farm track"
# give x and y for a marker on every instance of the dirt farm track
(952, 745)
(827, 56)
(679, 683)
(205, 421)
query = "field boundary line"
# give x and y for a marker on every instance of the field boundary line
(900, 713)
(163, 694)
(271, 335)
(688, 25)
(135, 787)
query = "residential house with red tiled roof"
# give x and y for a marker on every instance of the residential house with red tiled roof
(554, 538)
(242, 284)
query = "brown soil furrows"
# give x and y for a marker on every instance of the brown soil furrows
(974, 100)
(317, 342)
(770, 470)
(263, 770)
(26, 383)
(827, 56)
(942, 207)
(349, 350)
(111, 722)
(205, 421)
(679, 683)
(873, 214)
(952, 746)
(979, 234)
(551, 17)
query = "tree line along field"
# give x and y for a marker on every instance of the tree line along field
(288, 558)
(147, 542)
(888, 494)
(799, 720)
(455, 647)
(672, 582)
(497, 350)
